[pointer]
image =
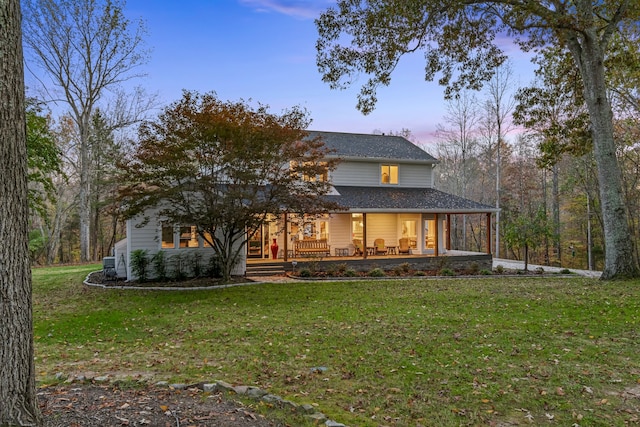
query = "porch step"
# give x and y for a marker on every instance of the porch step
(266, 269)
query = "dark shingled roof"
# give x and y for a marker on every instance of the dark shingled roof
(354, 145)
(395, 199)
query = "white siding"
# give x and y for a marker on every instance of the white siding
(120, 253)
(140, 237)
(340, 232)
(415, 176)
(356, 174)
(382, 226)
(367, 174)
(148, 237)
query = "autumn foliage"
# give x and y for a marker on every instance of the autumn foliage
(225, 167)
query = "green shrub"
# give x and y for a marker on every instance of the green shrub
(499, 268)
(214, 269)
(160, 265)
(539, 270)
(195, 262)
(486, 272)
(350, 272)
(337, 269)
(420, 273)
(140, 264)
(397, 270)
(447, 272)
(313, 266)
(376, 272)
(305, 272)
(402, 269)
(332, 270)
(565, 271)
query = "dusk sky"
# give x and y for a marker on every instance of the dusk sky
(264, 50)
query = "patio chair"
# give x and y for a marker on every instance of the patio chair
(403, 246)
(358, 247)
(381, 249)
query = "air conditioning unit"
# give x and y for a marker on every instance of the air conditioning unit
(109, 267)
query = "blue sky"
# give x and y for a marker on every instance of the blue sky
(264, 50)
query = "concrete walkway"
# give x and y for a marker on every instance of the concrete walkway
(519, 265)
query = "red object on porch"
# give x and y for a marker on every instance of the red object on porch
(274, 249)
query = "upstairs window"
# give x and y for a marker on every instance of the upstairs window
(389, 174)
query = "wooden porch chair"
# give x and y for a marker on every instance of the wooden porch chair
(381, 249)
(403, 246)
(358, 247)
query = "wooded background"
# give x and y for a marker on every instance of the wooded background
(526, 150)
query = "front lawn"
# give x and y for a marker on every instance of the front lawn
(433, 352)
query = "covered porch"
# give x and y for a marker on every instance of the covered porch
(375, 222)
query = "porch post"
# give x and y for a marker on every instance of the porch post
(489, 233)
(286, 237)
(448, 236)
(437, 238)
(364, 235)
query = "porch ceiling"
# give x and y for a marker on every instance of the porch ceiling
(398, 199)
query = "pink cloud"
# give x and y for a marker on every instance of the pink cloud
(295, 8)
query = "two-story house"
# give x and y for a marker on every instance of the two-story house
(385, 185)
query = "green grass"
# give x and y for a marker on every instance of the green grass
(449, 352)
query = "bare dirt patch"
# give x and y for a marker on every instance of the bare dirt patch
(107, 405)
(200, 282)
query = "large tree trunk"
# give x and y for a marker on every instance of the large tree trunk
(84, 206)
(556, 213)
(18, 406)
(619, 256)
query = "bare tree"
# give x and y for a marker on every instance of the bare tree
(458, 140)
(499, 105)
(85, 47)
(18, 405)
